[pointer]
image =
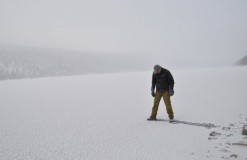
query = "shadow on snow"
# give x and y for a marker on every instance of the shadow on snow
(206, 125)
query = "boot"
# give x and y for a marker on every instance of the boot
(152, 118)
(171, 119)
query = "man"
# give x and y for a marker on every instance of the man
(164, 83)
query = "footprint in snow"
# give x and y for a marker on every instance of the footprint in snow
(233, 156)
(225, 157)
(231, 125)
(226, 128)
(213, 135)
(224, 150)
(229, 135)
(228, 143)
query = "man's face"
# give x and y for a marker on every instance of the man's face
(158, 71)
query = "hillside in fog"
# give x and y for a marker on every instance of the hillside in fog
(21, 62)
(18, 62)
(242, 61)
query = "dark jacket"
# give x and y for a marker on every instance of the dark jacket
(162, 81)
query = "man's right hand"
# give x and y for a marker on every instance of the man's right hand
(153, 93)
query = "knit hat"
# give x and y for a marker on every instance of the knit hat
(157, 68)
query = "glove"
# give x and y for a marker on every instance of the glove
(171, 91)
(153, 93)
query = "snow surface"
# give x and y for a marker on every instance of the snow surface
(104, 117)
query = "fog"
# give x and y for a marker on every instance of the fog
(205, 33)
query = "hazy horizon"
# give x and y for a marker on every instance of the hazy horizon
(193, 30)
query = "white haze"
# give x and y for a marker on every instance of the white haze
(209, 32)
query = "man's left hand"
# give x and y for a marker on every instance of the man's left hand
(171, 92)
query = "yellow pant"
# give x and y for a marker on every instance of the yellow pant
(167, 100)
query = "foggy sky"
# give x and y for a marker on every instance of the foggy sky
(182, 28)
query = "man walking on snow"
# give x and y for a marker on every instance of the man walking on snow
(163, 81)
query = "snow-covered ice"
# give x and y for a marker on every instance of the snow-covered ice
(104, 117)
